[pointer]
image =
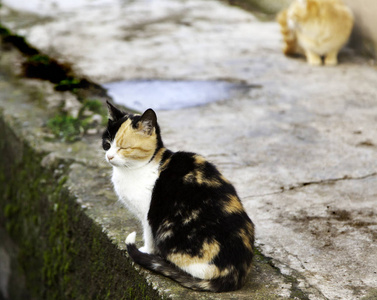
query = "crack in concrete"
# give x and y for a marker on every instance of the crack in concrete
(316, 182)
(293, 276)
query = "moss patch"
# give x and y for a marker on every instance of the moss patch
(63, 253)
(69, 128)
(65, 127)
(42, 66)
(372, 295)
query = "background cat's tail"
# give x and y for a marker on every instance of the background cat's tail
(289, 37)
(160, 265)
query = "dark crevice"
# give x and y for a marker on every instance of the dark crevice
(327, 181)
(41, 66)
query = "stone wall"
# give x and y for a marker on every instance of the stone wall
(364, 37)
(64, 254)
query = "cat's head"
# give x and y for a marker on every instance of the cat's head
(303, 10)
(130, 140)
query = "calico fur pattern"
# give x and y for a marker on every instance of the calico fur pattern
(195, 228)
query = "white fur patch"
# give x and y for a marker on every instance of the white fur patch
(131, 238)
(143, 249)
(134, 187)
(201, 270)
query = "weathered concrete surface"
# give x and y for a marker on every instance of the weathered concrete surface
(59, 208)
(301, 150)
(57, 240)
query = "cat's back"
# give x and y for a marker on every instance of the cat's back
(187, 171)
(321, 25)
(199, 222)
(191, 188)
(322, 17)
(191, 194)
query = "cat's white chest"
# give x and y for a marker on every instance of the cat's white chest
(134, 187)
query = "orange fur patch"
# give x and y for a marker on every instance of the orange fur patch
(246, 237)
(194, 215)
(233, 205)
(135, 144)
(208, 252)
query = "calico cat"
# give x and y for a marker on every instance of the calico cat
(195, 228)
(316, 28)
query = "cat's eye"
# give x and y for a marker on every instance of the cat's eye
(106, 146)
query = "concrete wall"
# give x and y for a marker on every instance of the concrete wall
(364, 37)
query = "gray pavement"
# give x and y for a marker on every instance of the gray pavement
(301, 148)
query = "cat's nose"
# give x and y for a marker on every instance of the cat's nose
(110, 157)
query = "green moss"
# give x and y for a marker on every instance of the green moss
(95, 106)
(17, 41)
(68, 84)
(372, 295)
(4, 31)
(63, 253)
(39, 58)
(66, 127)
(70, 129)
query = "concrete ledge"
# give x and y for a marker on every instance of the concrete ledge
(59, 209)
(300, 149)
(64, 252)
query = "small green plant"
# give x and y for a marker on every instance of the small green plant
(69, 128)
(95, 106)
(66, 127)
(4, 31)
(68, 84)
(39, 58)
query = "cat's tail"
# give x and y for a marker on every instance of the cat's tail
(160, 265)
(289, 36)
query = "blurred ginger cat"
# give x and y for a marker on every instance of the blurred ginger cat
(316, 28)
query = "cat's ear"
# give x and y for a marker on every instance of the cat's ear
(148, 121)
(114, 113)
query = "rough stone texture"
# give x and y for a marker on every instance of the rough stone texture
(59, 208)
(56, 241)
(301, 150)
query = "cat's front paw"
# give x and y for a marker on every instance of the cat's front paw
(331, 59)
(313, 58)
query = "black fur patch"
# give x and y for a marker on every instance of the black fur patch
(193, 210)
